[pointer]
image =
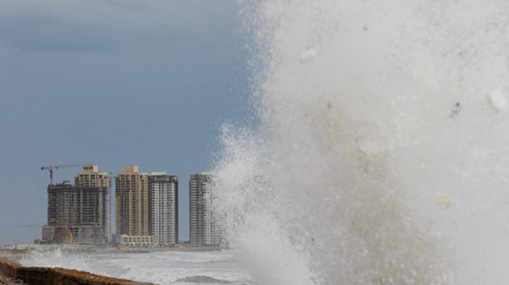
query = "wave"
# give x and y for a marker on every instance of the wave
(203, 279)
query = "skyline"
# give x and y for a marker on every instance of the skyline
(113, 83)
(113, 189)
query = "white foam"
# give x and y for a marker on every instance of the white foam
(157, 267)
(377, 161)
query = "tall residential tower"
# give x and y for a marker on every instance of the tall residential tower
(163, 197)
(132, 202)
(93, 190)
(204, 230)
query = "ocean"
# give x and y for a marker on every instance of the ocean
(164, 267)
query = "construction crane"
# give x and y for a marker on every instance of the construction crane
(54, 167)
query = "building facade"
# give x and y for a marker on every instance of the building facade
(61, 214)
(204, 229)
(163, 197)
(93, 191)
(132, 202)
(79, 214)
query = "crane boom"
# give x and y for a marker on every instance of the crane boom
(54, 167)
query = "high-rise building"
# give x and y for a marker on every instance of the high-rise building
(62, 213)
(163, 197)
(79, 214)
(132, 202)
(204, 229)
(93, 191)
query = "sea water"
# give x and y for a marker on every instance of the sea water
(382, 153)
(163, 267)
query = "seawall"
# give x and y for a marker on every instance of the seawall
(10, 271)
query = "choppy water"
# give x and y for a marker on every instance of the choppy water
(169, 267)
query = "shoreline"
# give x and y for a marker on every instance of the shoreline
(22, 249)
(158, 267)
(12, 272)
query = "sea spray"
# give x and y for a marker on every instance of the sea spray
(383, 151)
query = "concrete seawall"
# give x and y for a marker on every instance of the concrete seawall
(11, 271)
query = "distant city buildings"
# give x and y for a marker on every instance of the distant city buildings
(146, 211)
(204, 230)
(79, 214)
(93, 190)
(132, 205)
(163, 207)
(146, 206)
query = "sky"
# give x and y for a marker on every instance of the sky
(112, 82)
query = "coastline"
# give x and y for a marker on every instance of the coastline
(159, 266)
(22, 249)
(14, 273)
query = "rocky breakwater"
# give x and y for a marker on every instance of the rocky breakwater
(12, 272)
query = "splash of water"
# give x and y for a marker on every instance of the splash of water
(383, 152)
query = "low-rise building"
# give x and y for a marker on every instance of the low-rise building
(137, 241)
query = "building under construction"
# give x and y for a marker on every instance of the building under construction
(79, 213)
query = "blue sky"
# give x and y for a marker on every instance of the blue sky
(112, 82)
